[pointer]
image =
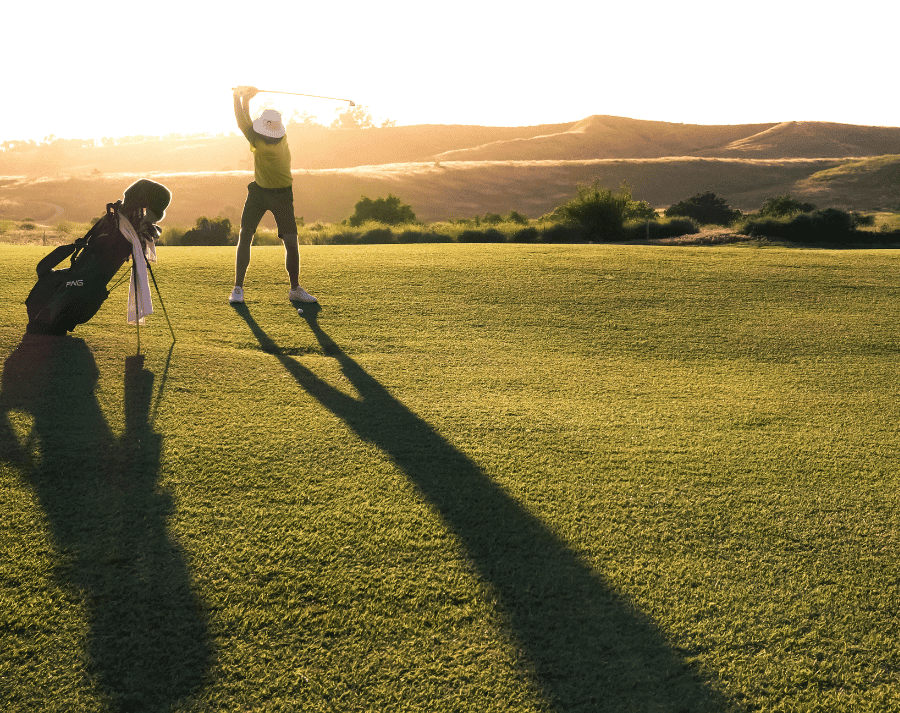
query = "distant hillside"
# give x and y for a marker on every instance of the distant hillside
(448, 172)
(596, 137)
(455, 189)
(615, 137)
(869, 184)
(807, 139)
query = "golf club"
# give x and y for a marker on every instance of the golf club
(298, 94)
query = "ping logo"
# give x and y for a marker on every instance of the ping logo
(75, 283)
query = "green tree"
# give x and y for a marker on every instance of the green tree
(389, 211)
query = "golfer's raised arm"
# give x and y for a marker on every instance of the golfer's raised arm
(242, 97)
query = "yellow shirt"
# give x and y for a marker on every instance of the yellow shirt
(271, 162)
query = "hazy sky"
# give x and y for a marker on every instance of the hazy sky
(98, 68)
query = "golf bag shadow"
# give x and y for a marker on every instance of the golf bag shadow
(62, 299)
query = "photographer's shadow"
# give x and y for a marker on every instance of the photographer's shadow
(148, 644)
(590, 648)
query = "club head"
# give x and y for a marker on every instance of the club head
(352, 103)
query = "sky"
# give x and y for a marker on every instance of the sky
(97, 68)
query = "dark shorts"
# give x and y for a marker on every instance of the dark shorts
(278, 200)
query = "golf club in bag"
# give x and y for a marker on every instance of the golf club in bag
(62, 299)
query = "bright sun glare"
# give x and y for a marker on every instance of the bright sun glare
(112, 69)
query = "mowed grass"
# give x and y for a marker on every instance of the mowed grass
(479, 478)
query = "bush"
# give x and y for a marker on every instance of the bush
(831, 226)
(706, 208)
(496, 219)
(344, 238)
(389, 211)
(601, 213)
(526, 235)
(660, 229)
(563, 234)
(781, 206)
(266, 237)
(216, 231)
(419, 236)
(171, 235)
(491, 235)
(377, 236)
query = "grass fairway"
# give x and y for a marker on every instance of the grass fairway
(479, 478)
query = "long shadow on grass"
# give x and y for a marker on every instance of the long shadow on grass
(590, 649)
(147, 645)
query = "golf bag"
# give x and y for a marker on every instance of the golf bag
(62, 299)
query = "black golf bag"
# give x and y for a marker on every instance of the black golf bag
(64, 298)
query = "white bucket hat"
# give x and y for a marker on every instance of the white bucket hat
(269, 124)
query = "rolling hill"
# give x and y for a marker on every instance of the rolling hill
(448, 172)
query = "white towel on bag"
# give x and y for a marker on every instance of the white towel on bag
(143, 284)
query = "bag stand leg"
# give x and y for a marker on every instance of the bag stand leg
(137, 304)
(162, 304)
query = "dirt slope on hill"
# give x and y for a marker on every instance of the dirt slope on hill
(808, 139)
(609, 137)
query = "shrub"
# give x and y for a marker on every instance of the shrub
(601, 212)
(831, 226)
(706, 208)
(171, 235)
(389, 211)
(266, 237)
(526, 235)
(563, 234)
(377, 236)
(491, 235)
(216, 231)
(419, 236)
(660, 229)
(345, 237)
(780, 206)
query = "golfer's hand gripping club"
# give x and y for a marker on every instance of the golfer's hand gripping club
(245, 92)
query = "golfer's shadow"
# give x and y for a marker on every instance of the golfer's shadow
(147, 645)
(591, 650)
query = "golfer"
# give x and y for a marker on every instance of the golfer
(271, 190)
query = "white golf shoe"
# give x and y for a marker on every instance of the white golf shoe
(237, 295)
(301, 295)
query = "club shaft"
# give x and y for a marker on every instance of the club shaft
(298, 94)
